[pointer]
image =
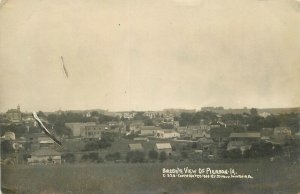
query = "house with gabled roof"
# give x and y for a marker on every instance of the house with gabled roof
(45, 156)
(45, 141)
(163, 147)
(166, 134)
(149, 130)
(282, 131)
(135, 147)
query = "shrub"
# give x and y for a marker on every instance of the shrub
(184, 155)
(153, 154)
(113, 156)
(135, 156)
(69, 158)
(235, 154)
(93, 156)
(90, 146)
(84, 157)
(162, 156)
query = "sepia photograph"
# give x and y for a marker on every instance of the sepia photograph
(150, 96)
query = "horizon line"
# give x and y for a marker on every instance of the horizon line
(157, 110)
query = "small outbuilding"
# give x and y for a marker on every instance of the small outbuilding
(45, 156)
(163, 147)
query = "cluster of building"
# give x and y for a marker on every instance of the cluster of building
(14, 115)
(159, 147)
(43, 148)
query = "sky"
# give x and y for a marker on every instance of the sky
(149, 54)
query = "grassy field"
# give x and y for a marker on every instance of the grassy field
(147, 179)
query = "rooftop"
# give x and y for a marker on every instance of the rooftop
(161, 146)
(13, 111)
(135, 146)
(149, 128)
(244, 135)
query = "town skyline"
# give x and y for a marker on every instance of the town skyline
(204, 108)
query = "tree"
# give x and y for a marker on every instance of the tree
(194, 145)
(84, 157)
(271, 121)
(162, 156)
(148, 122)
(41, 114)
(185, 119)
(50, 159)
(262, 149)
(113, 156)
(256, 123)
(135, 156)
(153, 154)
(184, 155)
(69, 158)
(60, 129)
(93, 156)
(19, 130)
(91, 146)
(139, 116)
(94, 114)
(253, 112)
(234, 154)
(166, 126)
(6, 148)
(104, 143)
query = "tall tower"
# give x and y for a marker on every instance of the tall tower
(18, 108)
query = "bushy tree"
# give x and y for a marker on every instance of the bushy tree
(253, 112)
(148, 122)
(184, 155)
(60, 129)
(93, 156)
(94, 114)
(113, 156)
(187, 119)
(91, 146)
(152, 154)
(135, 156)
(69, 158)
(234, 154)
(262, 149)
(103, 144)
(41, 114)
(84, 157)
(6, 148)
(19, 130)
(162, 156)
(166, 126)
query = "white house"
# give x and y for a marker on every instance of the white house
(282, 131)
(45, 141)
(45, 156)
(149, 130)
(135, 147)
(166, 134)
(77, 127)
(202, 134)
(163, 147)
(8, 135)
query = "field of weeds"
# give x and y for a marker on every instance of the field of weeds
(147, 179)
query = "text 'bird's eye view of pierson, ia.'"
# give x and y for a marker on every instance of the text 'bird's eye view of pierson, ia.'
(150, 97)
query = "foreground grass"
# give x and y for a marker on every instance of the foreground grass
(147, 179)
